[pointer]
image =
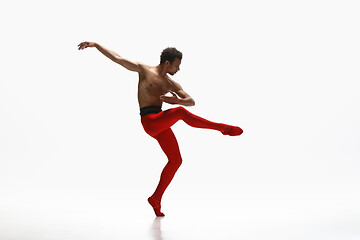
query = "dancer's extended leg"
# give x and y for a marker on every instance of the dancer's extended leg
(156, 123)
(169, 145)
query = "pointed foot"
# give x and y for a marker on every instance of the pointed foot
(156, 206)
(232, 131)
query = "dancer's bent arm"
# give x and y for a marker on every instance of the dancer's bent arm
(185, 99)
(132, 66)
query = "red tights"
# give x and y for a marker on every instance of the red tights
(158, 126)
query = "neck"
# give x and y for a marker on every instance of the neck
(161, 70)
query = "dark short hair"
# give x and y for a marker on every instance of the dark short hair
(170, 54)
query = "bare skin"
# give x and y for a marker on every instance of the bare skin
(154, 82)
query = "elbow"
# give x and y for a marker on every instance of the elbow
(188, 102)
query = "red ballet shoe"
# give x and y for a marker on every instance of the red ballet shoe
(232, 131)
(156, 206)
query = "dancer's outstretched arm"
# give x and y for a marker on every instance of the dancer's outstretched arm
(132, 66)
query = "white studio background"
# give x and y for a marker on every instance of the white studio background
(287, 72)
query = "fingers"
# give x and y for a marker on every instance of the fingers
(83, 45)
(171, 99)
(165, 98)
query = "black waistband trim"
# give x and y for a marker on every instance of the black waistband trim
(149, 109)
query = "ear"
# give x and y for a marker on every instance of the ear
(167, 62)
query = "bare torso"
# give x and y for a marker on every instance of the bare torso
(154, 82)
(152, 85)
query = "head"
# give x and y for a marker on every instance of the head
(171, 59)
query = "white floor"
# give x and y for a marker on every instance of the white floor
(91, 218)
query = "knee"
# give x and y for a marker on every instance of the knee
(181, 110)
(179, 162)
(176, 162)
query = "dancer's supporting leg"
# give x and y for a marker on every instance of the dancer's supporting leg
(169, 145)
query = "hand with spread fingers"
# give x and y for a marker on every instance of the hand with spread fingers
(84, 45)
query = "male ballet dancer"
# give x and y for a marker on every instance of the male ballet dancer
(154, 84)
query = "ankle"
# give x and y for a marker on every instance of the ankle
(154, 201)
